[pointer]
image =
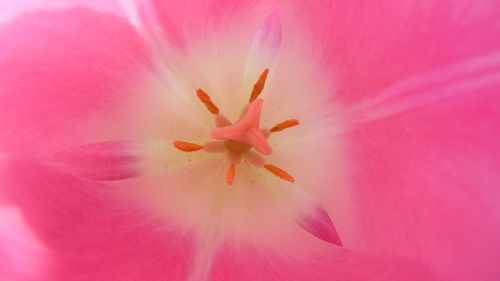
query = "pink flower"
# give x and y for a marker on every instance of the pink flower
(250, 140)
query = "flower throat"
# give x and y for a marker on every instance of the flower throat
(239, 140)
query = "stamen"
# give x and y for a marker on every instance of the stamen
(187, 146)
(259, 85)
(205, 98)
(279, 172)
(285, 124)
(230, 174)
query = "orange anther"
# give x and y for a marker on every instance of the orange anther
(187, 146)
(205, 98)
(285, 124)
(259, 85)
(230, 174)
(279, 172)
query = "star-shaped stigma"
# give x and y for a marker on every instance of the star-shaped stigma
(239, 139)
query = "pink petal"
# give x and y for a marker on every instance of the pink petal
(95, 233)
(246, 262)
(99, 237)
(122, 159)
(264, 52)
(22, 256)
(471, 75)
(59, 72)
(186, 22)
(319, 224)
(103, 161)
(304, 210)
(424, 166)
(193, 31)
(427, 184)
(265, 48)
(11, 9)
(365, 47)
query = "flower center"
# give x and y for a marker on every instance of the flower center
(236, 147)
(244, 139)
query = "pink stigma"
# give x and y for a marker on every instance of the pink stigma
(246, 130)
